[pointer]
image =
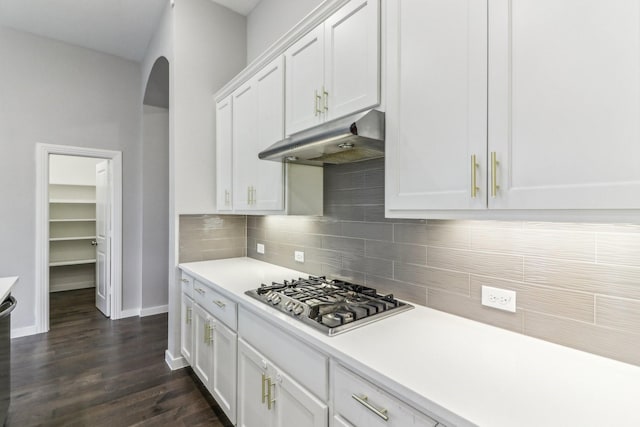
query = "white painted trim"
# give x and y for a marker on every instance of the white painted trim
(23, 332)
(150, 311)
(72, 286)
(129, 313)
(175, 362)
(42, 226)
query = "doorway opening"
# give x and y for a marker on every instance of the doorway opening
(79, 223)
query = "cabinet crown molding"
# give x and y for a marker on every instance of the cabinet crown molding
(306, 24)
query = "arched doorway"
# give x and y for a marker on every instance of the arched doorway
(155, 191)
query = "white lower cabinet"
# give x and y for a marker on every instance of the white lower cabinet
(268, 397)
(359, 403)
(209, 345)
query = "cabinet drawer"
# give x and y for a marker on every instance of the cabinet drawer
(187, 284)
(305, 364)
(220, 307)
(363, 404)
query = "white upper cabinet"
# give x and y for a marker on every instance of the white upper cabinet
(258, 122)
(564, 103)
(334, 70)
(543, 94)
(436, 104)
(224, 154)
(352, 58)
(305, 77)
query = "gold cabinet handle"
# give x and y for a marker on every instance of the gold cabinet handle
(474, 172)
(186, 316)
(206, 333)
(200, 291)
(325, 95)
(264, 393)
(270, 399)
(364, 401)
(190, 312)
(219, 303)
(184, 280)
(211, 329)
(494, 174)
(253, 195)
(317, 99)
(248, 195)
(226, 197)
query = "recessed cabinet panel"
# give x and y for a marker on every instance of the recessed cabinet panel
(352, 58)
(564, 103)
(295, 406)
(436, 104)
(223, 380)
(224, 156)
(186, 330)
(245, 134)
(252, 366)
(305, 76)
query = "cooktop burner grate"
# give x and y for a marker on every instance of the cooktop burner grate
(332, 306)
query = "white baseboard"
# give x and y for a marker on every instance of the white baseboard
(150, 311)
(175, 362)
(23, 332)
(61, 287)
(129, 313)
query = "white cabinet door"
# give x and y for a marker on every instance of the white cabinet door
(295, 406)
(564, 103)
(305, 77)
(223, 378)
(186, 329)
(436, 105)
(224, 154)
(258, 122)
(252, 409)
(202, 344)
(245, 134)
(269, 176)
(352, 58)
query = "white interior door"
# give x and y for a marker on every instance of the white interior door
(103, 238)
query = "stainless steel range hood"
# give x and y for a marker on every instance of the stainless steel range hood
(349, 139)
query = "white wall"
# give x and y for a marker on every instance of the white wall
(72, 170)
(155, 209)
(55, 93)
(209, 49)
(270, 19)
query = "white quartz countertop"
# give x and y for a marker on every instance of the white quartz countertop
(466, 372)
(6, 284)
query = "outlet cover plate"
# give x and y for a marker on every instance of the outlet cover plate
(260, 248)
(298, 256)
(502, 299)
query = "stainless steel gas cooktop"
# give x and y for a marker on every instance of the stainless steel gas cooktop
(331, 306)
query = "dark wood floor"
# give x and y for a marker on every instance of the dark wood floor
(92, 371)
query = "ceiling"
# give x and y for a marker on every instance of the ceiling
(118, 27)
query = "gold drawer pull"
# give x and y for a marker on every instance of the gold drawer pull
(364, 401)
(200, 291)
(474, 172)
(494, 174)
(219, 303)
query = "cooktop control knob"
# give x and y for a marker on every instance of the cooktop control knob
(298, 309)
(289, 305)
(275, 299)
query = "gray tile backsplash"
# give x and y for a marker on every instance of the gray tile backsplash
(577, 284)
(207, 237)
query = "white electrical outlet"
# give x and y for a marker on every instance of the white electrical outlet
(502, 299)
(298, 256)
(260, 248)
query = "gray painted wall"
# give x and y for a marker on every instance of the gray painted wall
(155, 206)
(271, 19)
(54, 93)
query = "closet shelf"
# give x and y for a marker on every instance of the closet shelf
(72, 220)
(64, 239)
(72, 262)
(73, 201)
